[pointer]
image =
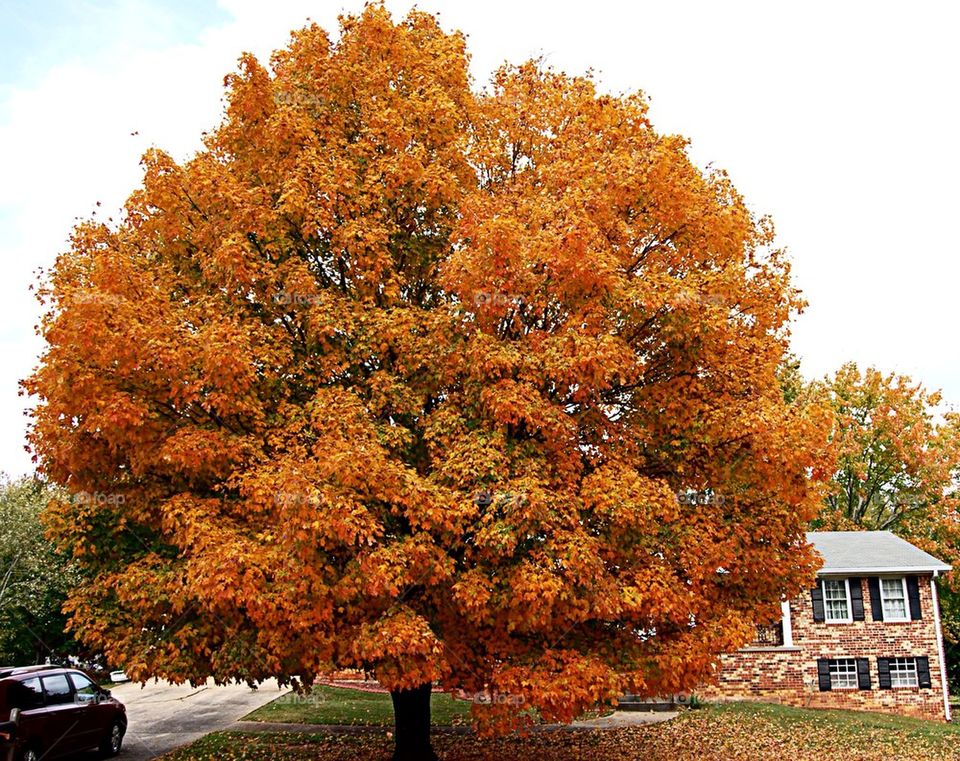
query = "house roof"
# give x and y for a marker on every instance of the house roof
(871, 552)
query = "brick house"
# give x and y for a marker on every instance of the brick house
(866, 637)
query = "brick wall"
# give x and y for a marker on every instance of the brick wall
(789, 676)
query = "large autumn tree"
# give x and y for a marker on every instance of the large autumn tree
(397, 376)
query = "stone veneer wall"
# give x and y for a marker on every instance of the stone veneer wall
(789, 675)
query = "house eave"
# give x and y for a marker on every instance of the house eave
(874, 571)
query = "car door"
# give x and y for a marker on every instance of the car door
(62, 716)
(7, 728)
(91, 716)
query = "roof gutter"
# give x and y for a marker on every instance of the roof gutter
(892, 569)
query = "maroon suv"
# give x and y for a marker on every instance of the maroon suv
(51, 712)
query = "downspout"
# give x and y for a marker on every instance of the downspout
(943, 657)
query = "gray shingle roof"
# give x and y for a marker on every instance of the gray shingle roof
(871, 552)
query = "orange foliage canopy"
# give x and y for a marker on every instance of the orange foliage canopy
(470, 388)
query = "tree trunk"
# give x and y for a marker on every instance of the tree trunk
(411, 710)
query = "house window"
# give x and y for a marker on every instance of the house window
(893, 596)
(903, 672)
(836, 600)
(769, 636)
(843, 674)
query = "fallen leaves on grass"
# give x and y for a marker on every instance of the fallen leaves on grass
(744, 734)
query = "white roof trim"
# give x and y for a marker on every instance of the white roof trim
(886, 570)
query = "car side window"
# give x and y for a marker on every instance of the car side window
(58, 689)
(86, 690)
(26, 695)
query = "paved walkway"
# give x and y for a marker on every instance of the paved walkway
(164, 716)
(626, 719)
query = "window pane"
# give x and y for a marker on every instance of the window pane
(894, 603)
(903, 672)
(843, 674)
(26, 695)
(58, 689)
(835, 599)
(86, 690)
(894, 609)
(892, 587)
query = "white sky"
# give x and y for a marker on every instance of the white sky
(839, 119)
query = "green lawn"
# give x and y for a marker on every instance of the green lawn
(849, 723)
(741, 731)
(336, 705)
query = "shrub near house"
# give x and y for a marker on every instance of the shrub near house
(867, 636)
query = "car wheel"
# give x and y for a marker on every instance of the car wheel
(113, 741)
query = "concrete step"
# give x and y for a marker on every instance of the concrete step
(634, 703)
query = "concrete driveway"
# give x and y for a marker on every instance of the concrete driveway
(163, 716)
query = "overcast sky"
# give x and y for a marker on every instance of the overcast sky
(838, 119)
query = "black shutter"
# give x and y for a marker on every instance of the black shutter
(876, 604)
(913, 593)
(923, 672)
(816, 595)
(883, 673)
(823, 674)
(856, 598)
(863, 673)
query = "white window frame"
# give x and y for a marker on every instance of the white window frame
(787, 623)
(906, 600)
(846, 672)
(901, 667)
(826, 607)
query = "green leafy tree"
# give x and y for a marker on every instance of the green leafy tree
(791, 379)
(950, 612)
(898, 461)
(34, 578)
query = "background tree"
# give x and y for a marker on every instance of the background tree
(792, 382)
(34, 579)
(398, 377)
(950, 612)
(898, 460)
